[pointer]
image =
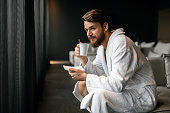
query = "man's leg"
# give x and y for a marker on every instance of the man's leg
(105, 101)
(82, 88)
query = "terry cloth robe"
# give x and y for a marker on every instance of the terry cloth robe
(122, 82)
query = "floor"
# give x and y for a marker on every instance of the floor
(57, 94)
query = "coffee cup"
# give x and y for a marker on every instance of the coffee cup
(84, 49)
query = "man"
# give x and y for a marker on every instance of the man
(120, 78)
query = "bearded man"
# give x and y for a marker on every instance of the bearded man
(120, 78)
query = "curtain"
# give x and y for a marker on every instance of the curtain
(39, 42)
(23, 40)
(3, 58)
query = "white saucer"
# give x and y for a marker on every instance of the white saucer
(77, 67)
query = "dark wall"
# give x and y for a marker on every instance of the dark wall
(138, 18)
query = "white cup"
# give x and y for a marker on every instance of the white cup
(84, 49)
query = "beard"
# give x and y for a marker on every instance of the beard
(99, 40)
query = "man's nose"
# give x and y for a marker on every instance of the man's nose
(89, 33)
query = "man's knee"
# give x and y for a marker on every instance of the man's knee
(82, 84)
(82, 88)
(99, 101)
(99, 93)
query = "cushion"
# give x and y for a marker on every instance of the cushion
(158, 68)
(137, 43)
(92, 49)
(146, 47)
(147, 44)
(146, 50)
(162, 47)
(167, 67)
(71, 57)
(153, 54)
(163, 100)
(77, 61)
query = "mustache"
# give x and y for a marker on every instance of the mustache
(90, 37)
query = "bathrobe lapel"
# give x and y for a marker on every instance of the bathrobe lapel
(108, 58)
(104, 64)
(107, 63)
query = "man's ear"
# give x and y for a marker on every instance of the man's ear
(105, 26)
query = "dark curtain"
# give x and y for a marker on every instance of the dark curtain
(39, 42)
(3, 58)
(23, 49)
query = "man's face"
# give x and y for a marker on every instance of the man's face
(95, 33)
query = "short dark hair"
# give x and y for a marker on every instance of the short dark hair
(97, 15)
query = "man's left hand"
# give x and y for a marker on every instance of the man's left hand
(77, 74)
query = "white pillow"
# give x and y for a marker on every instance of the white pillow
(92, 49)
(147, 44)
(162, 47)
(153, 54)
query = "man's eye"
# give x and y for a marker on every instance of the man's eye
(93, 28)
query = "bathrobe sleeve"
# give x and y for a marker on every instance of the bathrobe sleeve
(95, 67)
(123, 65)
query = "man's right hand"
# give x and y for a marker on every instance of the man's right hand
(83, 59)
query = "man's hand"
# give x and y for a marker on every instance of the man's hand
(77, 74)
(77, 51)
(83, 59)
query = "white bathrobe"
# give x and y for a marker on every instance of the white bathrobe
(122, 82)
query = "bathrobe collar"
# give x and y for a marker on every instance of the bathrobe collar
(105, 65)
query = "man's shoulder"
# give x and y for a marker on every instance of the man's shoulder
(118, 40)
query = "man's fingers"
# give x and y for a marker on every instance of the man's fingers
(73, 69)
(77, 53)
(77, 49)
(73, 77)
(78, 46)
